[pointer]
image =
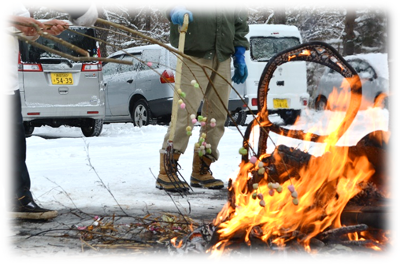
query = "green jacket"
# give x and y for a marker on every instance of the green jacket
(213, 32)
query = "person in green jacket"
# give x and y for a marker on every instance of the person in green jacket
(213, 37)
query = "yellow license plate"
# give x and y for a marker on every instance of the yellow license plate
(280, 103)
(61, 78)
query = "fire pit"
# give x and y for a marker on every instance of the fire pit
(292, 200)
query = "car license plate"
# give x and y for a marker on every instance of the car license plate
(280, 103)
(61, 78)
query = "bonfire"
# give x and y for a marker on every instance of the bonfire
(289, 197)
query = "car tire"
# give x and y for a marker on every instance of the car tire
(140, 113)
(28, 129)
(92, 128)
(289, 116)
(321, 103)
(238, 116)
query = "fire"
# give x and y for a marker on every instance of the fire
(307, 204)
(303, 53)
(173, 242)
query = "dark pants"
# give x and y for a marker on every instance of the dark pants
(21, 180)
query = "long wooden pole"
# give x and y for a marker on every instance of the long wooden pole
(178, 77)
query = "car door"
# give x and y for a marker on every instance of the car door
(148, 76)
(110, 71)
(368, 80)
(121, 86)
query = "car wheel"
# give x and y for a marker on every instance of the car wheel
(238, 116)
(321, 103)
(92, 127)
(141, 113)
(290, 116)
(28, 129)
(382, 101)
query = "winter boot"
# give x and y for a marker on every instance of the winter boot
(168, 178)
(32, 211)
(202, 175)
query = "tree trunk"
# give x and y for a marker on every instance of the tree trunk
(103, 35)
(133, 9)
(148, 20)
(348, 36)
(279, 13)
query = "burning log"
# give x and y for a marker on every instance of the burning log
(338, 232)
(290, 204)
(258, 248)
(374, 216)
(286, 160)
(369, 206)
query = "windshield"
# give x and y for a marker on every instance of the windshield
(78, 36)
(263, 48)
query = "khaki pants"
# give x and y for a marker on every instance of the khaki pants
(212, 105)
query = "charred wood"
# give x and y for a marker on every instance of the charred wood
(259, 250)
(286, 161)
(373, 216)
(369, 206)
(338, 232)
(298, 237)
(303, 255)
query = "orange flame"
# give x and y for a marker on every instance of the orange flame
(303, 53)
(173, 242)
(321, 191)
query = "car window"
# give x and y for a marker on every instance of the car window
(110, 68)
(363, 68)
(263, 48)
(78, 36)
(134, 59)
(172, 60)
(150, 58)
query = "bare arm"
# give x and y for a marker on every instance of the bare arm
(26, 30)
(54, 27)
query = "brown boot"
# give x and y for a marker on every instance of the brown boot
(202, 175)
(170, 181)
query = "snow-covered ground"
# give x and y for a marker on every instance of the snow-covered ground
(69, 170)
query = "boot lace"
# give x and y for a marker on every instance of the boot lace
(204, 168)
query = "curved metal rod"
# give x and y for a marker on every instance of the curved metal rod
(318, 52)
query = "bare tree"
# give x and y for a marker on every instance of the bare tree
(279, 13)
(103, 34)
(348, 34)
(147, 19)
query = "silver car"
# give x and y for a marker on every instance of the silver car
(374, 74)
(56, 91)
(142, 93)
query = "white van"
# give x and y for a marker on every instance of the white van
(287, 94)
(56, 91)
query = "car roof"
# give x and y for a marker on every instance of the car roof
(379, 61)
(137, 49)
(274, 30)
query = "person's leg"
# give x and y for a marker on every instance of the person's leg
(23, 206)
(168, 177)
(215, 104)
(194, 96)
(21, 180)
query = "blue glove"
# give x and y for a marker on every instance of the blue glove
(241, 73)
(178, 13)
